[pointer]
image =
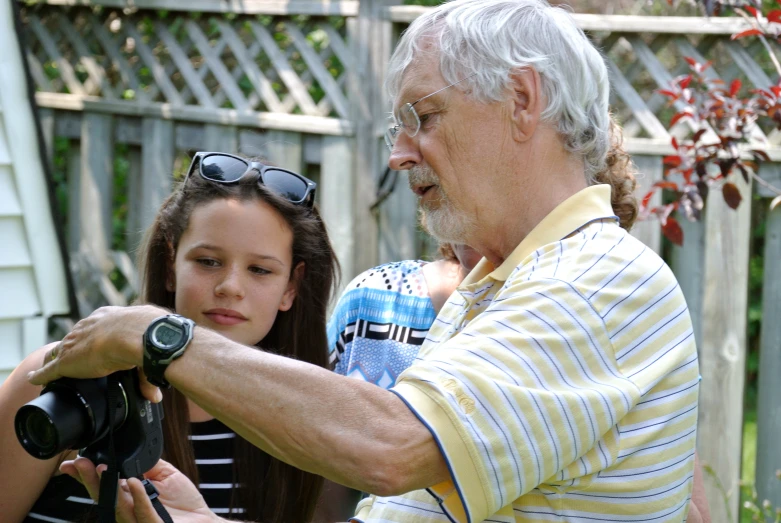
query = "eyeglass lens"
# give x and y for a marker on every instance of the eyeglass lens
(226, 169)
(407, 120)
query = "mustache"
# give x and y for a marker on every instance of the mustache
(418, 176)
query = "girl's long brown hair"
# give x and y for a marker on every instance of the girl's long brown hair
(270, 490)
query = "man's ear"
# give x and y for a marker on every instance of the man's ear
(292, 287)
(526, 102)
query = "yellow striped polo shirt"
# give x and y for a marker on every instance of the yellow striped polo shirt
(561, 386)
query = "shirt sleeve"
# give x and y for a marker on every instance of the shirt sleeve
(527, 392)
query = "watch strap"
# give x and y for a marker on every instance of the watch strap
(155, 360)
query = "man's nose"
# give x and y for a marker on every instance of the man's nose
(405, 153)
(231, 284)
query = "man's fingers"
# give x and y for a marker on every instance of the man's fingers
(45, 374)
(142, 506)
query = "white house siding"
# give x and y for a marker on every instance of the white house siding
(33, 284)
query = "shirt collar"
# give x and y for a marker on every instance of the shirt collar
(587, 205)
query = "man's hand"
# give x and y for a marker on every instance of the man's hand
(108, 340)
(177, 493)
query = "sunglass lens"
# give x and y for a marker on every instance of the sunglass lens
(219, 168)
(286, 184)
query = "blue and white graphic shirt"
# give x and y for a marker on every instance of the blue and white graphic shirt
(380, 322)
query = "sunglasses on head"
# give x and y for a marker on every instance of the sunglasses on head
(228, 169)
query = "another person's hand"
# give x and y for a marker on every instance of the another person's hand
(176, 492)
(108, 340)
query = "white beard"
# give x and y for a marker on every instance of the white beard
(444, 222)
(439, 217)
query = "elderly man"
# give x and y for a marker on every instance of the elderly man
(559, 383)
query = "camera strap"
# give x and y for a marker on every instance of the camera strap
(109, 480)
(151, 491)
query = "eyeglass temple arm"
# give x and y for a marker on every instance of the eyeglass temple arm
(440, 90)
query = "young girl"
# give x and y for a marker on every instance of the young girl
(247, 256)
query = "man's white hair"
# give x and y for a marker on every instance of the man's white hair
(494, 38)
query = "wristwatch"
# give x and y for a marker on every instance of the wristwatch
(165, 339)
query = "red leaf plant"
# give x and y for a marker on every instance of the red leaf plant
(720, 122)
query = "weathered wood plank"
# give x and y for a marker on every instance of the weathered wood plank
(650, 171)
(336, 201)
(221, 138)
(157, 166)
(190, 138)
(252, 143)
(251, 7)
(97, 183)
(370, 41)
(397, 227)
(133, 228)
(768, 413)
(46, 121)
(75, 199)
(287, 122)
(313, 149)
(67, 124)
(723, 346)
(128, 130)
(285, 149)
(620, 23)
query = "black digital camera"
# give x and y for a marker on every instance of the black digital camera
(76, 414)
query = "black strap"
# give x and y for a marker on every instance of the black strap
(151, 491)
(109, 481)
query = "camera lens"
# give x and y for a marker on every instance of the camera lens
(41, 431)
(53, 422)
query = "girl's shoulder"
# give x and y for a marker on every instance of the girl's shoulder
(404, 277)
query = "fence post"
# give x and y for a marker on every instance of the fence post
(97, 172)
(649, 171)
(222, 138)
(337, 206)
(768, 413)
(285, 149)
(157, 166)
(370, 40)
(723, 347)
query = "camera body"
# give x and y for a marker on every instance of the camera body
(78, 414)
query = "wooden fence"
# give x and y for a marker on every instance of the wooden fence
(300, 82)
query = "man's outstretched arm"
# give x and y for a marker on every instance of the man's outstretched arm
(350, 432)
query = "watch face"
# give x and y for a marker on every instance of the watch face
(167, 336)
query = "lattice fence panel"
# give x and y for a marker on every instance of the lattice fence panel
(641, 64)
(276, 64)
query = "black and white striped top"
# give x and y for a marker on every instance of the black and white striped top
(64, 500)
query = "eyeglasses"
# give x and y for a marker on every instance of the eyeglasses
(407, 118)
(228, 169)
